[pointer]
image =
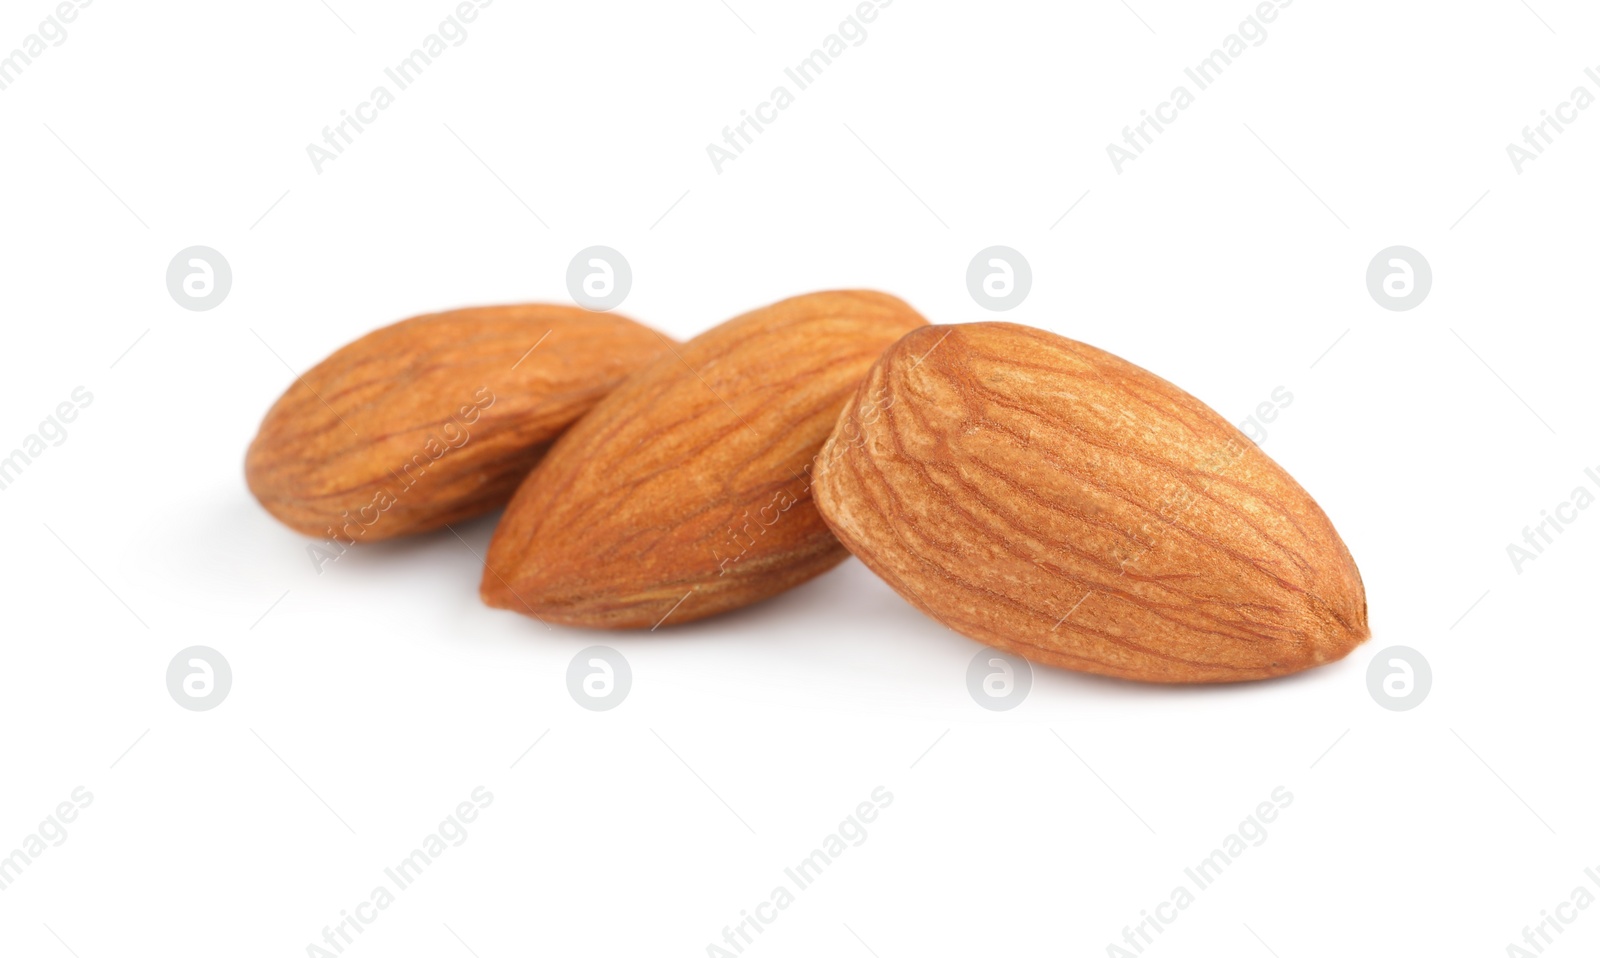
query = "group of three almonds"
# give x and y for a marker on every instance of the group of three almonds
(1032, 492)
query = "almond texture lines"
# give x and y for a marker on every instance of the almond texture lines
(435, 419)
(687, 491)
(1052, 500)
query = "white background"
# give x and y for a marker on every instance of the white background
(373, 698)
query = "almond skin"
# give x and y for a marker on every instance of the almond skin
(687, 491)
(1054, 501)
(436, 418)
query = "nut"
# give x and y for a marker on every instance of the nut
(1059, 503)
(687, 491)
(436, 418)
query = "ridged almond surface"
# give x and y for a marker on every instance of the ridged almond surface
(687, 491)
(1056, 502)
(435, 418)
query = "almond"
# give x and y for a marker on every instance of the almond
(1059, 503)
(435, 418)
(687, 491)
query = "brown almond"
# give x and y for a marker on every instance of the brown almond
(437, 418)
(687, 491)
(1054, 501)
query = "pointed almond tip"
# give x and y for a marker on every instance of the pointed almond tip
(1359, 630)
(1345, 639)
(493, 592)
